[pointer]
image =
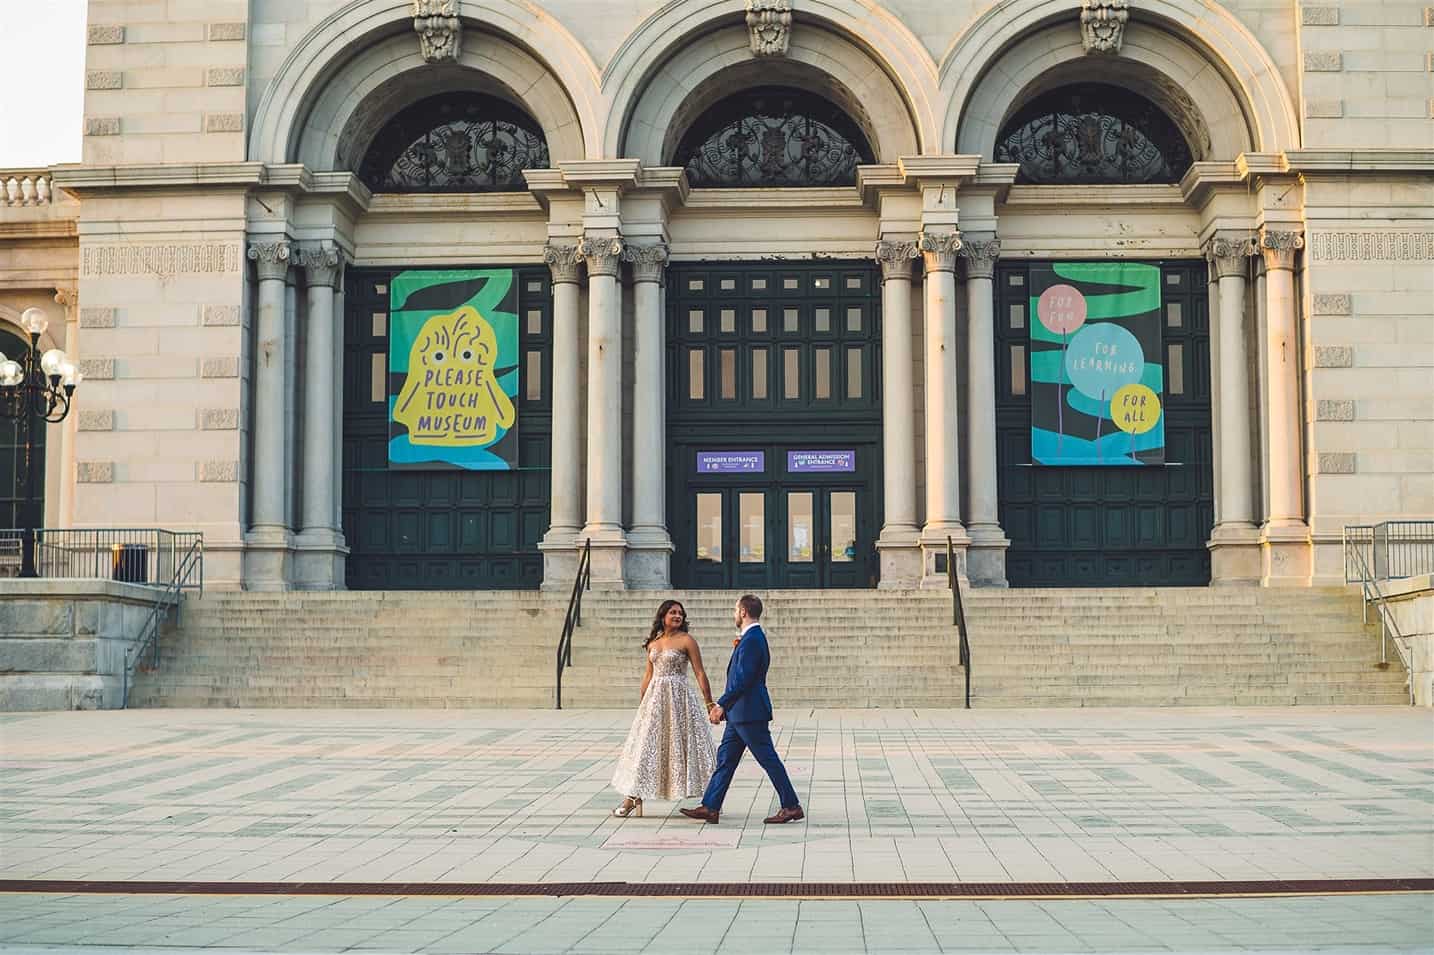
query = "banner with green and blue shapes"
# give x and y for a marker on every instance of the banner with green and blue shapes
(453, 370)
(1097, 381)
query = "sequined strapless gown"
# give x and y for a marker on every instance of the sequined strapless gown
(669, 752)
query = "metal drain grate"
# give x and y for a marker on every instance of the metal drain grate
(741, 890)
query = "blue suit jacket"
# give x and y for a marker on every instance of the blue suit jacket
(746, 699)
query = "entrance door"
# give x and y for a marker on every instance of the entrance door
(1109, 526)
(447, 529)
(774, 423)
(801, 537)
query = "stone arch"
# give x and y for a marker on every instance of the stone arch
(1183, 40)
(685, 44)
(391, 75)
(703, 74)
(340, 51)
(1159, 66)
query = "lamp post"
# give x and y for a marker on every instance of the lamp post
(35, 388)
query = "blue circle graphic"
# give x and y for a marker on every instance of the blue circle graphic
(1102, 358)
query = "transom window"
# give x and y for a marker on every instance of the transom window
(455, 142)
(1093, 133)
(773, 136)
(774, 341)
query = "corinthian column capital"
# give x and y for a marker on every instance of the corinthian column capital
(648, 261)
(979, 256)
(601, 254)
(939, 249)
(1279, 247)
(563, 262)
(896, 258)
(322, 264)
(1229, 253)
(271, 259)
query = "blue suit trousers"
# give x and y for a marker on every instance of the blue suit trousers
(738, 738)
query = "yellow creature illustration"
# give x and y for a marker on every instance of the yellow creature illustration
(451, 397)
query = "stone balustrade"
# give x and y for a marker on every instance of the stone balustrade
(25, 187)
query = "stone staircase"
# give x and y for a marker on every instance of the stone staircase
(1032, 648)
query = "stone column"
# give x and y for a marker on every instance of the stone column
(566, 476)
(898, 544)
(1285, 537)
(1234, 544)
(649, 555)
(943, 459)
(266, 560)
(319, 561)
(986, 561)
(603, 256)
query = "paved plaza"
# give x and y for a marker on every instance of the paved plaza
(1013, 800)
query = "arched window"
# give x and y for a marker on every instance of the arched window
(20, 505)
(773, 136)
(1093, 133)
(455, 142)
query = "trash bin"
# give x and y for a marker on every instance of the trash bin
(131, 563)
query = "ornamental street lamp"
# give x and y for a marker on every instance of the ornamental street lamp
(35, 389)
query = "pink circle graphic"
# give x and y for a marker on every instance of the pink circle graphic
(1061, 308)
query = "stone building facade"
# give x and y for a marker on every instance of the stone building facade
(214, 261)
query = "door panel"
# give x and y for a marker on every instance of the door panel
(416, 529)
(1111, 526)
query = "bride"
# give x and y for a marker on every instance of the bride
(669, 752)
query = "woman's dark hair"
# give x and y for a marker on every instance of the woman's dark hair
(657, 625)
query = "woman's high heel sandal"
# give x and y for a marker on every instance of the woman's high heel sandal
(631, 806)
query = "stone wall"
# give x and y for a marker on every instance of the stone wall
(1367, 72)
(165, 81)
(63, 643)
(1369, 353)
(1412, 603)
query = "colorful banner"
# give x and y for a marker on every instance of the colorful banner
(1097, 380)
(453, 370)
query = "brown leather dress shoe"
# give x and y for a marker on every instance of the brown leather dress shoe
(702, 813)
(786, 815)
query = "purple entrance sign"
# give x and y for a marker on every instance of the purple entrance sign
(731, 462)
(808, 461)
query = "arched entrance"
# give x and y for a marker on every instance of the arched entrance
(424, 510)
(22, 477)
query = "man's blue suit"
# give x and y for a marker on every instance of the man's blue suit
(748, 709)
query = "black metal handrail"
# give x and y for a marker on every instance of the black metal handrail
(1389, 550)
(958, 615)
(1357, 567)
(188, 574)
(138, 555)
(574, 619)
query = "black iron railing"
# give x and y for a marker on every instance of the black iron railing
(188, 574)
(1388, 550)
(574, 619)
(1381, 552)
(958, 616)
(132, 555)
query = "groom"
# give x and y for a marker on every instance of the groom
(747, 709)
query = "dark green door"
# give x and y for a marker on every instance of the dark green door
(1109, 526)
(774, 424)
(441, 529)
(22, 476)
(761, 534)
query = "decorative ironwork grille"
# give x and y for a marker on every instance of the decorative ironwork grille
(456, 142)
(1093, 133)
(773, 136)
